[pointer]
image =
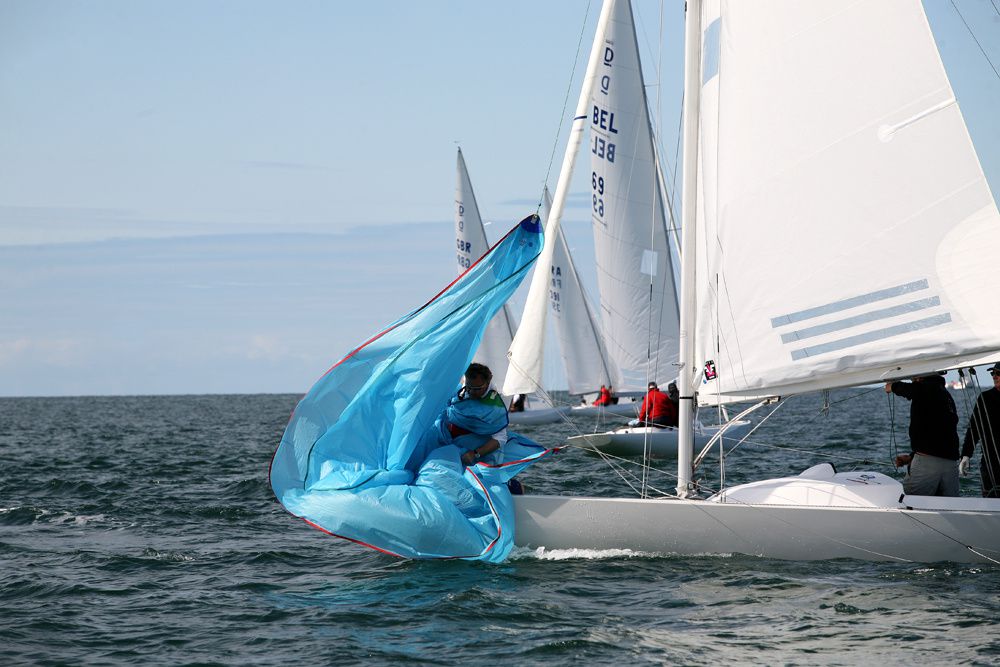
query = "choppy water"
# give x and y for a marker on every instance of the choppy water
(142, 530)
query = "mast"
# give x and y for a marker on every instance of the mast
(526, 351)
(688, 365)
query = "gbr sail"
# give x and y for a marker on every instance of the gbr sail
(470, 244)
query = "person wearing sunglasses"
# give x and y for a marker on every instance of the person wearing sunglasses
(476, 418)
(984, 428)
(932, 468)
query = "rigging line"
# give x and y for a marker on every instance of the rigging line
(614, 458)
(613, 462)
(949, 537)
(756, 426)
(569, 90)
(849, 459)
(974, 39)
(802, 528)
(995, 8)
(893, 449)
(677, 152)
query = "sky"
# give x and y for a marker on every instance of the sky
(228, 196)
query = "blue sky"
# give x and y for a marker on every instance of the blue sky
(226, 196)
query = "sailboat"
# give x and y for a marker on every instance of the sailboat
(470, 244)
(832, 205)
(639, 307)
(586, 360)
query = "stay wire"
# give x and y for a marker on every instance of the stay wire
(569, 91)
(975, 39)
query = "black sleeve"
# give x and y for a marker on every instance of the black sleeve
(904, 389)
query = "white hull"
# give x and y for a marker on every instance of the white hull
(660, 442)
(539, 416)
(630, 409)
(814, 523)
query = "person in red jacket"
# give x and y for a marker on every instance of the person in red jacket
(605, 397)
(657, 408)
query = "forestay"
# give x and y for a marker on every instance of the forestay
(843, 212)
(353, 459)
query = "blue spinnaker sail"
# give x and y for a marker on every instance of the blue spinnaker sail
(361, 457)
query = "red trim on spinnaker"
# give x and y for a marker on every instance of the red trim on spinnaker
(489, 498)
(432, 300)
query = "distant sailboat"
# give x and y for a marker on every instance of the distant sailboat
(585, 357)
(639, 309)
(470, 244)
(787, 288)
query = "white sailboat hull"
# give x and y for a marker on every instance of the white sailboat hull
(539, 416)
(659, 442)
(695, 527)
(619, 409)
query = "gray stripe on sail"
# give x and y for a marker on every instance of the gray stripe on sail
(710, 51)
(847, 323)
(851, 302)
(860, 339)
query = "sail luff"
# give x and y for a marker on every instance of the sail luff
(527, 350)
(689, 366)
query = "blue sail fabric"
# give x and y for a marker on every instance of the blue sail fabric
(364, 456)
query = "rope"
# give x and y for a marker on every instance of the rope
(973, 35)
(562, 115)
(956, 541)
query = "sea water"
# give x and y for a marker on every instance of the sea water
(142, 530)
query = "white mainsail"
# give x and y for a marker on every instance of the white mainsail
(843, 216)
(470, 244)
(639, 309)
(580, 343)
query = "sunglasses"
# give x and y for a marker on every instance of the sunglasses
(993, 372)
(478, 387)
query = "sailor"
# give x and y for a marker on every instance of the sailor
(604, 398)
(933, 437)
(984, 427)
(517, 403)
(476, 418)
(657, 409)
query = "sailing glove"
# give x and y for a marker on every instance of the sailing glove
(963, 466)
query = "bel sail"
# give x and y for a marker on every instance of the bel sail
(361, 457)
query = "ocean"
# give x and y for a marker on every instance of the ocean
(142, 530)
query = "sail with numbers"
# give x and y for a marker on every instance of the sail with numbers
(635, 276)
(470, 245)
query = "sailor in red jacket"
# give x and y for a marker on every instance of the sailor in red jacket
(657, 409)
(605, 396)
